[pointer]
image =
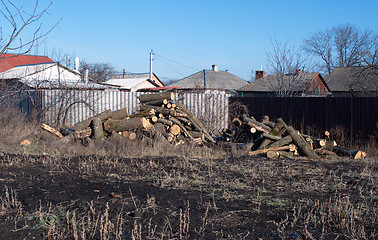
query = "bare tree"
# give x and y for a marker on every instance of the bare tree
(340, 46)
(15, 20)
(284, 61)
(98, 72)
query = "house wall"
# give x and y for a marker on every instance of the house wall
(144, 84)
(316, 86)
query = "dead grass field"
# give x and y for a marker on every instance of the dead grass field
(127, 190)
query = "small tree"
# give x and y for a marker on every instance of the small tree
(16, 20)
(342, 46)
(98, 72)
(284, 61)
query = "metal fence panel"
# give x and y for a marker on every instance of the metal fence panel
(357, 115)
(68, 107)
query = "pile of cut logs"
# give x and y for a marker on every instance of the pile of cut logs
(159, 118)
(277, 139)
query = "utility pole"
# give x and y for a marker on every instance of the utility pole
(151, 53)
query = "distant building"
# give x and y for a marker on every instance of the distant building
(46, 76)
(353, 81)
(273, 85)
(8, 61)
(133, 82)
(210, 80)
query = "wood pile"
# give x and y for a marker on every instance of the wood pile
(277, 139)
(160, 118)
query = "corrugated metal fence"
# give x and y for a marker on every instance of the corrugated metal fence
(68, 107)
(357, 115)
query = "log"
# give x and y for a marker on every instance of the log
(196, 123)
(282, 142)
(126, 124)
(157, 103)
(85, 124)
(175, 129)
(97, 128)
(237, 122)
(158, 96)
(302, 145)
(196, 134)
(29, 140)
(51, 130)
(120, 114)
(290, 147)
(282, 154)
(346, 152)
(271, 136)
(164, 111)
(317, 142)
(177, 122)
(145, 113)
(325, 152)
(245, 118)
(85, 133)
(154, 119)
(276, 131)
(258, 128)
(165, 121)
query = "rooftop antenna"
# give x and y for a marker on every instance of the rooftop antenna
(151, 59)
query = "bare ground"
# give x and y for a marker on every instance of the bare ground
(74, 196)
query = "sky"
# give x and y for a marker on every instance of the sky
(189, 36)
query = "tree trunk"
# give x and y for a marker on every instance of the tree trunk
(85, 133)
(346, 152)
(276, 131)
(126, 124)
(158, 96)
(51, 130)
(197, 123)
(244, 118)
(120, 114)
(252, 153)
(299, 141)
(282, 142)
(98, 130)
(175, 129)
(158, 103)
(85, 124)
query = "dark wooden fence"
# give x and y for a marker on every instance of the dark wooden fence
(357, 115)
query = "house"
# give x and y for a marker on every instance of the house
(133, 82)
(49, 75)
(273, 85)
(8, 61)
(210, 80)
(353, 81)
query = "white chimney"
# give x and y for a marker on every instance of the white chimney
(86, 72)
(77, 64)
(215, 68)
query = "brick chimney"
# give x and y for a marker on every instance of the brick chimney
(260, 74)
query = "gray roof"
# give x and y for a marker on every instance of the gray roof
(276, 82)
(214, 80)
(358, 79)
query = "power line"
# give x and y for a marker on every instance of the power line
(170, 66)
(176, 62)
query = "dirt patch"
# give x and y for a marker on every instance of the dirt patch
(97, 197)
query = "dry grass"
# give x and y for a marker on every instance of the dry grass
(324, 199)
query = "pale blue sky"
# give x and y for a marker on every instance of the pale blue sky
(188, 36)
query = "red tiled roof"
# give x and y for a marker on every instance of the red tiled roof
(8, 61)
